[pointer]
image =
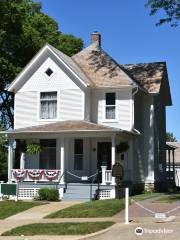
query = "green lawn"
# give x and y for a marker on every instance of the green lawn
(9, 208)
(169, 198)
(99, 208)
(146, 195)
(58, 229)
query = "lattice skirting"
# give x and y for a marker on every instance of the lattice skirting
(27, 193)
(30, 193)
(107, 194)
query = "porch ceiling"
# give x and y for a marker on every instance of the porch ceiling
(67, 127)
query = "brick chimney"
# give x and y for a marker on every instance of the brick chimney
(96, 37)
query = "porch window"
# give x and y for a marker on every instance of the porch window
(78, 154)
(48, 105)
(110, 107)
(48, 154)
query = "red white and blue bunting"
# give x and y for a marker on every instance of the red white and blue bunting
(35, 174)
(51, 174)
(19, 174)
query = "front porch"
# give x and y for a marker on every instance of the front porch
(97, 155)
(68, 157)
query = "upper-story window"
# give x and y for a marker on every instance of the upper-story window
(110, 108)
(48, 105)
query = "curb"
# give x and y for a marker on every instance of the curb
(98, 233)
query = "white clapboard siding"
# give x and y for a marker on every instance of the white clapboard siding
(25, 109)
(123, 108)
(71, 105)
(40, 81)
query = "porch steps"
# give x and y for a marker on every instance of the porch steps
(80, 192)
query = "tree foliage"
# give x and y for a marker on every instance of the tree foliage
(170, 137)
(24, 29)
(171, 9)
(3, 157)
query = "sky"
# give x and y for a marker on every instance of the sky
(129, 35)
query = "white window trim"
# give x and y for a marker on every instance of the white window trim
(114, 120)
(39, 107)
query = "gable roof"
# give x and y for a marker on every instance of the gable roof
(69, 61)
(64, 59)
(100, 68)
(95, 68)
(148, 75)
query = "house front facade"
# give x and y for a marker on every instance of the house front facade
(80, 110)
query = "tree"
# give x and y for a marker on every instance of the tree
(3, 158)
(170, 137)
(24, 29)
(170, 7)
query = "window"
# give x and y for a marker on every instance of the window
(47, 158)
(78, 154)
(49, 72)
(122, 156)
(110, 106)
(48, 105)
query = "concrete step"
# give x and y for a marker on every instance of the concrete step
(79, 191)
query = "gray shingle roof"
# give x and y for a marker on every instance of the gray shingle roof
(148, 75)
(65, 126)
(100, 68)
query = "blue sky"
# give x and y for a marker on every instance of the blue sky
(129, 35)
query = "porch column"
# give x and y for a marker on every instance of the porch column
(22, 161)
(113, 154)
(173, 164)
(10, 158)
(169, 159)
(62, 160)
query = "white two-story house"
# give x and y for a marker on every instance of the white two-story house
(80, 110)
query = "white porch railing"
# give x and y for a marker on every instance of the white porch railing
(106, 176)
(35, 175)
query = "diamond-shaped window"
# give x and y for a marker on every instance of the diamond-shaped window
(49, 72)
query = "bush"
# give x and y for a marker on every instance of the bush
(48, 194)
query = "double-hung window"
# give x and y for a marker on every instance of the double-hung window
(78, 154)
(110, 107)
(48, 105)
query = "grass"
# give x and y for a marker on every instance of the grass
(9, 208)
(169, 198)
(100, 208)
(58, 229)
(147, 195)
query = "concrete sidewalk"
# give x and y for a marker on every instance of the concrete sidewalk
(139, 216)
(32, 215)
(41, 211)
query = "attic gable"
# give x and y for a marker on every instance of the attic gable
(47, 51)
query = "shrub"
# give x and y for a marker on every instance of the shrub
(48, 194)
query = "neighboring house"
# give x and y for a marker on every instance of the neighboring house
(173, 161)
(79, 109)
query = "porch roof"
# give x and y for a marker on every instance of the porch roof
(67, 127)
